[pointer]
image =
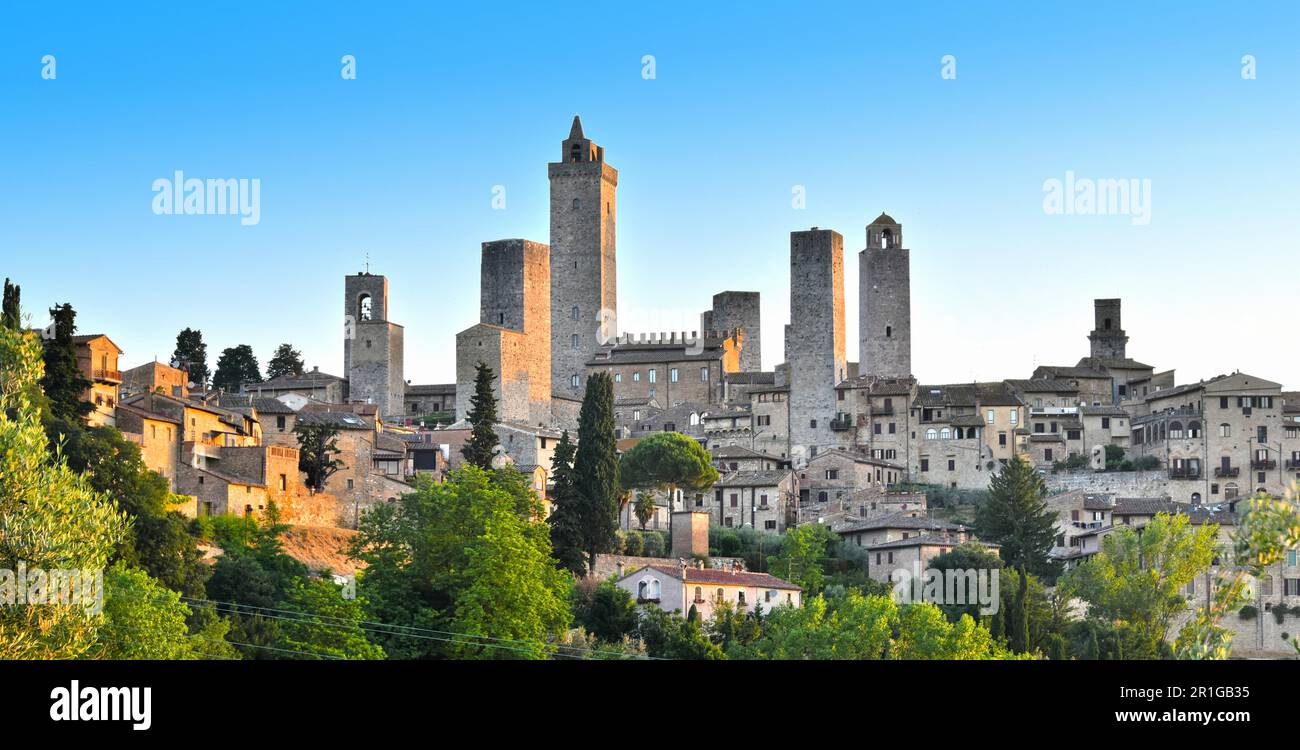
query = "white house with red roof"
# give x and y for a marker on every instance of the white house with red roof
(679, 587)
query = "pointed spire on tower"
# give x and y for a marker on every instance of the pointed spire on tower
(575, 132)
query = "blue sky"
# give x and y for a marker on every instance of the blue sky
(748, 101)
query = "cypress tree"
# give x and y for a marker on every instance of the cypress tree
(566, 530)
(63, 382)
(481, 447)
(1016, 516)
(12, 317)
(596, 468)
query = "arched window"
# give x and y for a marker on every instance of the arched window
(945, 433)
(364, 307)
(695, 418)
(886, 238)
(740, 598)
(699, 594)
(1193, 429)
(573, 381)
(1175, 430)
(575, 340)
(720, 594)
(931, 434)
(577, 203)
(641, 589)
(1225, 430)
(575, 154)
(1196, 498)
(575, 312)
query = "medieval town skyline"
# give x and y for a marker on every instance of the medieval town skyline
(403, 168)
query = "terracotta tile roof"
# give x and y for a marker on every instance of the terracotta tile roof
(725, 577)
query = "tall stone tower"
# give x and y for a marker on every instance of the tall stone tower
(885, 302)
(814, 340)
(513, 336)
(1108, 339)
(733, 310)
(584, 289)
(372, 345)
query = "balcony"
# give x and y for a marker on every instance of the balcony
(882, 411)
(106, 376)
(1184, 472)
(1263, 463)
(1227, 471)
(1053, 410)
(1293, 463)
(841, 423)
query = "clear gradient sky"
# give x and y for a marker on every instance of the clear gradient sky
(749, 100)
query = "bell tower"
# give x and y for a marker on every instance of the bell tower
(584, 279)
(885, 302)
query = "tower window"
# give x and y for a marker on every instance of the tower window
(364, 307)
(889, 331)
(1106, 324)
(573, 381)
(575, 312)
(575, 341)
(577, 203)
(575, 152)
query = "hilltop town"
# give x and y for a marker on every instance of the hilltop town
(869, 450)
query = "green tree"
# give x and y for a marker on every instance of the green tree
(1263, 535)
(605, 611)
(191, 355)
(466, 556)
(50, 517)
(669, 461)
(481, 447)
(1016, 516)
(236, 367)
(566, 527)
(800, 560)
(11, 316)
(668, 635)
(317, 447)
(644, 508)
(63, 383)
(1136, 581)
(324, 625)
(160, 541)
(596, 468)
(285, 361)
(145, 620)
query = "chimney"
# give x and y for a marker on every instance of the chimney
(620, 569)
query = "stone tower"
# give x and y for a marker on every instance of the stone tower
(814, 340)
(584, 294)
(513, 336)
(885, 302)
(733, 310)
(372, 346)
(1107, 338)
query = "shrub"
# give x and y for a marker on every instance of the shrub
(1146, 463)
(655, 544)
(1280, 612)
(1248, 612)
(633, 544)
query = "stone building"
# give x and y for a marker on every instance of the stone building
(762, 499)
(882, 529)
(368, 474)
(814, 339)
(513, 336)
(770, 410)
(1054, 430)
(313, 383)
(584, 278)
(372, 345)
(157, 377)
(1108, 350)
(738, 310)
(737, 458)
(97, 358)
(430, 399)
(884, 302)
(1095, 387)
(670, 369)
(827, 480)
(1219, 439)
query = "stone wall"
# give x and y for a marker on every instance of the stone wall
(884, 312)
(1115, 483)
(732, 310)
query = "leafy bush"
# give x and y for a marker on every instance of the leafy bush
(633, 544)
(1146, 463)
(1248, 612)
(656, 544)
